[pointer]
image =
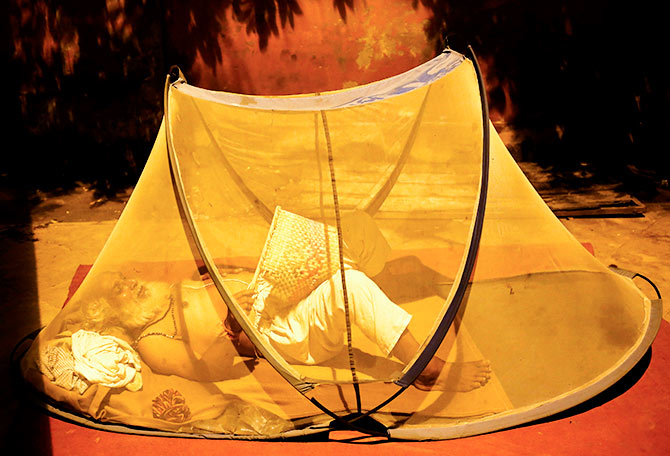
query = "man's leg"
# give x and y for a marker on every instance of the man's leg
(440, 375)
(317, 326)
(313, 331)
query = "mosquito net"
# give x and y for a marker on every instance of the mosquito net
(371, 256)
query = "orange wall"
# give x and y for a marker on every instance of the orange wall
(325, 49)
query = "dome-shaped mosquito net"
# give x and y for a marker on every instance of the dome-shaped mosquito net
(371, 257)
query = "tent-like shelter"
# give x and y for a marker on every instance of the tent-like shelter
(323, 230)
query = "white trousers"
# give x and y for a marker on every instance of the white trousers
(314, 330)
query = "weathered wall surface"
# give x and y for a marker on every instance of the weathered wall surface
(316, 47)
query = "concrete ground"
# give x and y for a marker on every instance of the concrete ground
(41, 249)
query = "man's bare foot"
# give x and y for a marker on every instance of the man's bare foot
(460, 377)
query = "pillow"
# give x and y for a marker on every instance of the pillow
(299, 254)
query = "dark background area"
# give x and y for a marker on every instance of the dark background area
(583, 85)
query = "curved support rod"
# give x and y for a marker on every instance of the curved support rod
(264, 210)
(384, 186)
(431, 346)
(284, 369)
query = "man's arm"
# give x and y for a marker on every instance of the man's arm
(234, 331)
(175, 357)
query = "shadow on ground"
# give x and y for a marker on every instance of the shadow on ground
(20, 298)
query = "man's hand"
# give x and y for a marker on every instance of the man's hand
(245, 299)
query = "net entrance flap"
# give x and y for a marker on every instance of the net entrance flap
(287, 260)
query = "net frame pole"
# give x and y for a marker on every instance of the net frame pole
(449, 316)
(300, 383)
(427, 354)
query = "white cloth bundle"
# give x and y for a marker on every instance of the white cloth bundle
(57, 364)
(106, 360)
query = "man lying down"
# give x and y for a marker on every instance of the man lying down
(157, 319)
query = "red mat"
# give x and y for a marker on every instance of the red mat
(631, 418)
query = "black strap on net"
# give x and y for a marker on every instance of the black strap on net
(347, 314)
(632, 274)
